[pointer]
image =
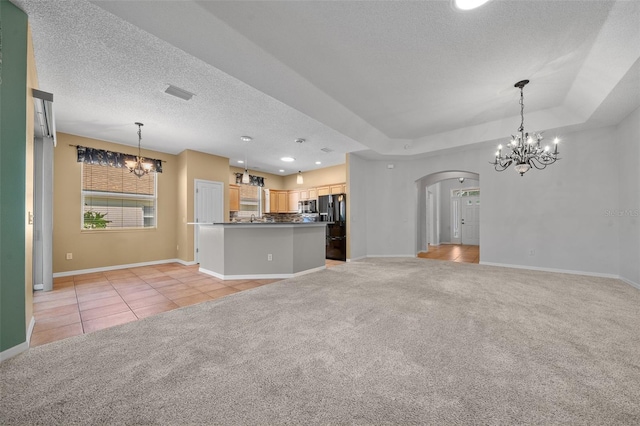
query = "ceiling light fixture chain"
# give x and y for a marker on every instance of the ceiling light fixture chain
(526, 150)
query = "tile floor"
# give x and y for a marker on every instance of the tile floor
(84, 303)
(453, 252)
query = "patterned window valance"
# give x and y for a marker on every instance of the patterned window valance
(253, 180)
(112, 159)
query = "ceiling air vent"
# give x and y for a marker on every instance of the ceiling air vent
(179, 93)
(327, 150)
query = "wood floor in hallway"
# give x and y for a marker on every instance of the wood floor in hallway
(453, 252)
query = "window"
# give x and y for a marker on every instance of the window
(250, 201)
(114, 198)
(465, 192)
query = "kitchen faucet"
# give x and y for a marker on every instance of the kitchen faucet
(253, 217)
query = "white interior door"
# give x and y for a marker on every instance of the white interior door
(456, 222)
(470, 219)
(43, 214)
(209, 208)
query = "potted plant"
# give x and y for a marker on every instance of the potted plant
(95, 220)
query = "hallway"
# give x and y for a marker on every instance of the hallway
(453, 252)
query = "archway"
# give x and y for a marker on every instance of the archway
(424, 217)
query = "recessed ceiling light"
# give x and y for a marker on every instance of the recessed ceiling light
(281, 170)
(246, 138)
(288, 159)
(318, 162)
(240, 161)
(467, 4)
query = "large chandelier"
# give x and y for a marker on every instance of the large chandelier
(525, 148)
(139, 167)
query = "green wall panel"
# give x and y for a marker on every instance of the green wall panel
(13, 129)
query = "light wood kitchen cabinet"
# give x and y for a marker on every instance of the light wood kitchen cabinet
(294, 197)
(278, 201)
(313, 194)
(336, 189)
(304, 194)
(234, 198)
(273, 201)
(323, 190)
(283, 204)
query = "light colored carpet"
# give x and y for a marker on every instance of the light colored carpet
(383, 341)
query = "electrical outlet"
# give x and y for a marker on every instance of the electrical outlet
(69, 256)
(269, 257)
(532, 252)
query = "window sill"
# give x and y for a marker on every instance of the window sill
(117, 230)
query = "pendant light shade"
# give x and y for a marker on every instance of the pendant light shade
(299, 178)
(245, 176)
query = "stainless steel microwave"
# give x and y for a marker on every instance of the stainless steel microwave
(307, 206)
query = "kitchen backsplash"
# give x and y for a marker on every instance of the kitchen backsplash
(268, 217)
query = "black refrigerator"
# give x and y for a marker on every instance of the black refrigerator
(333, 209)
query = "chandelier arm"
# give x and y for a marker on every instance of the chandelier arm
(500, 167)
(537, 165)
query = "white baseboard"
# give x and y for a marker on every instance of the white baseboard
(116, 267)
(631, 283)
(32, 324)
(560, 271)
(259, 276)
(18, 349)
(353, 259)
(11, 352)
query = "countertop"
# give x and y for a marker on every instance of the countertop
(263, 224)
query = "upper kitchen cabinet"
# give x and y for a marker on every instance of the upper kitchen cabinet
(294, 197)
(323, 190)
(234, 198)
(337, 189)
(277, 202)
(283, 202)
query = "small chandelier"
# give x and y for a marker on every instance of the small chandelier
(526, 151)
(139, 167)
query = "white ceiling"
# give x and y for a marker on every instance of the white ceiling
(392, 78)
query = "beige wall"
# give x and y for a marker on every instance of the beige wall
(173, 238)
(320, 177)
(197, 165)
(100, 248)
(271, 181)
(32, 83)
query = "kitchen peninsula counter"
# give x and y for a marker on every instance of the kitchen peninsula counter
(261, 250)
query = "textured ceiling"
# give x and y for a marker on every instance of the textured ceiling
(394, 77)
